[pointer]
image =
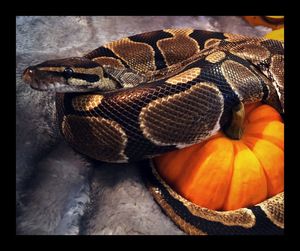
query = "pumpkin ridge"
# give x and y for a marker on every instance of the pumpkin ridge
(274, 141)
(229, 187)
(261, 165)
(260, 194)
(262, 113)
(231, 175)
(265, 119)
(260, 127)
(271, 171)
(196, 178)
(271, 131)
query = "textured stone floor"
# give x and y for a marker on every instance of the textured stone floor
(58, 191)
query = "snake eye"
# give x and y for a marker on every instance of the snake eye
(68, 72)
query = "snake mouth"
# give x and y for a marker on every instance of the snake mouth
(47, 87)
(51, 82)
(57, 87)
(39, 81)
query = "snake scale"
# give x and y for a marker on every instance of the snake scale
(144, 95)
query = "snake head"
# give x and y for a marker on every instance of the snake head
(77, 74)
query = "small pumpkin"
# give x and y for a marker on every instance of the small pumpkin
(276, 34)
(226, 174)
(274, 22)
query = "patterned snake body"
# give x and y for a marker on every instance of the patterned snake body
(151, 93)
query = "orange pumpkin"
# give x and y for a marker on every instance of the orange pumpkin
(226, 174)
(274, 22)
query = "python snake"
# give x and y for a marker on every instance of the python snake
(144, 95)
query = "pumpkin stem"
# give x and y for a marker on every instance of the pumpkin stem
(235, 129)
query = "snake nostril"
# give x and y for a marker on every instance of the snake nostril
(28, 70)
(28, 74)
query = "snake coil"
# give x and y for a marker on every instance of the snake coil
(144, 95)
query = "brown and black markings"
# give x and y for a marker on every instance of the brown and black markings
(173, 74)
(125, 106)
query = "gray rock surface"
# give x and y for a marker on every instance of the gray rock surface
(58, 191)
